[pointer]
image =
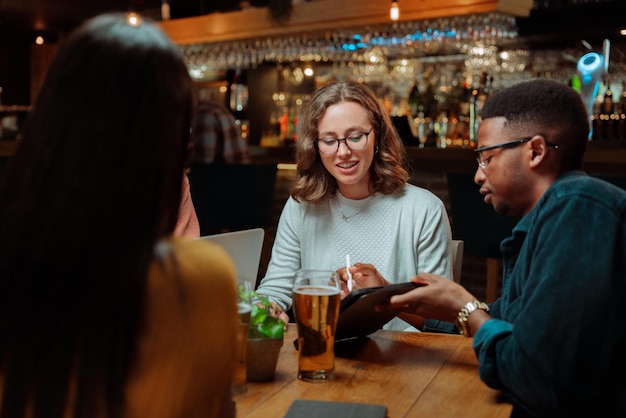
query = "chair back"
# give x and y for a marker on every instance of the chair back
(3, 163)
(232, 197)
(479, 226)
(456, 255)
(474, 221)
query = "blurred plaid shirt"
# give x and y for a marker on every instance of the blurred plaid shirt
(210, 118)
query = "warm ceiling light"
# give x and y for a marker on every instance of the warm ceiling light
(39, 40)
(394, 11)
(133, 19)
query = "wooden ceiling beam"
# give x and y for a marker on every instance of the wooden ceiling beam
(320, 15)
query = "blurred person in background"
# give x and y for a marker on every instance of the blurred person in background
(103, 313)
(216, 136)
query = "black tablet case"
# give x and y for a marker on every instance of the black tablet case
(358, 316)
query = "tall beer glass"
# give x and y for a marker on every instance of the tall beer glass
(316, 309)
(244, 291)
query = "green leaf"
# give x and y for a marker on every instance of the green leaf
(277, 330)
(257, 315)
(243, 294)
(262, 324)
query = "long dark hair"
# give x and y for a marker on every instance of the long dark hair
(96, 182)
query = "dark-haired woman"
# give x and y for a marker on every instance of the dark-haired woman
(102, 313)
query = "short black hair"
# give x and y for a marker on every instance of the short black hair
(550, 108)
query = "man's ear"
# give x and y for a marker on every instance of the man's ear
(537, 150)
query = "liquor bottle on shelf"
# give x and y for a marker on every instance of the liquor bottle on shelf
(477, 98)
(478, 95)
(605, 117)
(621, 122)
(453, 139)
(283, 121)
(463, 127)
(597, 122)
(238, 94)
(607, 101)
(425, 130)
(484, 89)
(473, 116)
(414, 99)
(441, 129)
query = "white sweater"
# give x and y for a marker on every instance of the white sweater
(401, 235)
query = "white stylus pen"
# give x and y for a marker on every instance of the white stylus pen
(348, 271)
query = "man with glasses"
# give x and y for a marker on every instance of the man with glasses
(554, 342)
(482, 163)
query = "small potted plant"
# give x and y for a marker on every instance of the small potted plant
(265, 338)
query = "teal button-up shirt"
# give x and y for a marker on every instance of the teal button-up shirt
(557, 343)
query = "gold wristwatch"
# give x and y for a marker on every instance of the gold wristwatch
(465, 312)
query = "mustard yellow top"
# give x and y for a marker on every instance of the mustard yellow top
(184, 362)
(185, 359)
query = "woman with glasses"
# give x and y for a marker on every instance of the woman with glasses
(351, 197)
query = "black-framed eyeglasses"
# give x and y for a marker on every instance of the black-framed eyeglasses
(355, 141)
(511, 144)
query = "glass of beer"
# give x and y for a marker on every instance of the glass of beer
(316, 309)
(244, 293)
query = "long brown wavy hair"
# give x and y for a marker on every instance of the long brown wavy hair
(389, 170)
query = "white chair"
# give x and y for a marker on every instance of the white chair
(456, 255)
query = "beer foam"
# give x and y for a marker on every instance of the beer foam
(317, 290)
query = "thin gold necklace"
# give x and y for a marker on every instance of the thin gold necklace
(343, 215)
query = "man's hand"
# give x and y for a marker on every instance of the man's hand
(437, 298)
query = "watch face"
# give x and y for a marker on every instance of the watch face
(461, 319)
(469, 308)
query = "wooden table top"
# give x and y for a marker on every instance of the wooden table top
(412, 374)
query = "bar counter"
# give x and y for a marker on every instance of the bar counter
(600, 158)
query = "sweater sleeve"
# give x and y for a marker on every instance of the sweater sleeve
(286, 257)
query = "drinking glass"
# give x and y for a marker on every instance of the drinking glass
(316, 309)
(244, 292)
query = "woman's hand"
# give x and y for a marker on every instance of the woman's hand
(363, 275)
(366, 275)
(277, 312)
